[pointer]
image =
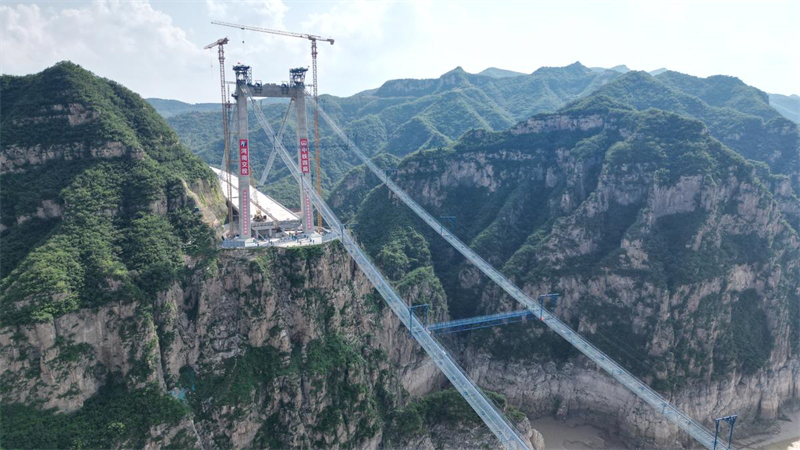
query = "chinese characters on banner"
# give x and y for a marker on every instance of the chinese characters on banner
(304, 164)
(308, 212)
(244, 157)
(245, 215)
(305, 167)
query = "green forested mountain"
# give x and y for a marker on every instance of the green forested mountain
(169, 108)
(663, 209)
(101, 205)
(122, 325)
(84, 161)
(723, 92)
(643, 204)
(736, 114)
(403, 116)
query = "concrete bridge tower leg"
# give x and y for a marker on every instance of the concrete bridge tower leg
(242, 78)
(304, 161)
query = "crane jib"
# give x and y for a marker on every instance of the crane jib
(278, 32)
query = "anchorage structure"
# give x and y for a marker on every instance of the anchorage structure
(295, 91)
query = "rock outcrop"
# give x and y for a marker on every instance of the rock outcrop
(686, 273)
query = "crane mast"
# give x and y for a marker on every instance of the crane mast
(226, 105)
(317, 150)
(315, 92)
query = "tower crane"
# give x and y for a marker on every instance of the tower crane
(226, 105)
(313, 40)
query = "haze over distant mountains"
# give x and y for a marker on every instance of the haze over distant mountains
(787, 105)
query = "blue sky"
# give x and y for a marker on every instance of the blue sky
(155, 47)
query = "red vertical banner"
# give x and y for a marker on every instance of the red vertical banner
(304, 163)
(245, 215)
(308, 212)
(244, 157)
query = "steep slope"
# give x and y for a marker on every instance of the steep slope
(267, 349)
(347, 196)
(102, 208)
(669, 250)
(742, 120)
(92, 180)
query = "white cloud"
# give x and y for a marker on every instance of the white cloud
(126, 41)
(267, 13)
(140, 45)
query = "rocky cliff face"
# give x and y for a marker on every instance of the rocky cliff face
(288, 348)
(122, 326)
(670, 253)
(269, 349)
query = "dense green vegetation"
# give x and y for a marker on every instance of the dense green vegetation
(554, 209)
(116, 113)
(106, 233)
(737, 115)
(399, 118)
(328, 365)
(722, 91)
(748, 336)
(441, 407)
(108, 242)
(350, 191)
(116, 416)
(523, 225)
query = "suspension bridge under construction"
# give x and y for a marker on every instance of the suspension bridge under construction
(257, 213)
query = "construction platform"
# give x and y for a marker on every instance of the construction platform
(263, 208)
(290, 239)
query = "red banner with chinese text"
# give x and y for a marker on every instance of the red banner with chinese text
(304, 162)
(244, 157)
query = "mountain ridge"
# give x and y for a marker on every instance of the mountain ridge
(402, 116)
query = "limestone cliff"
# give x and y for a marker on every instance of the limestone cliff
(269, 349)
(122, 326)
(671, 253)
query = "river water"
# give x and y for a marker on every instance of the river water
(576, 434)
